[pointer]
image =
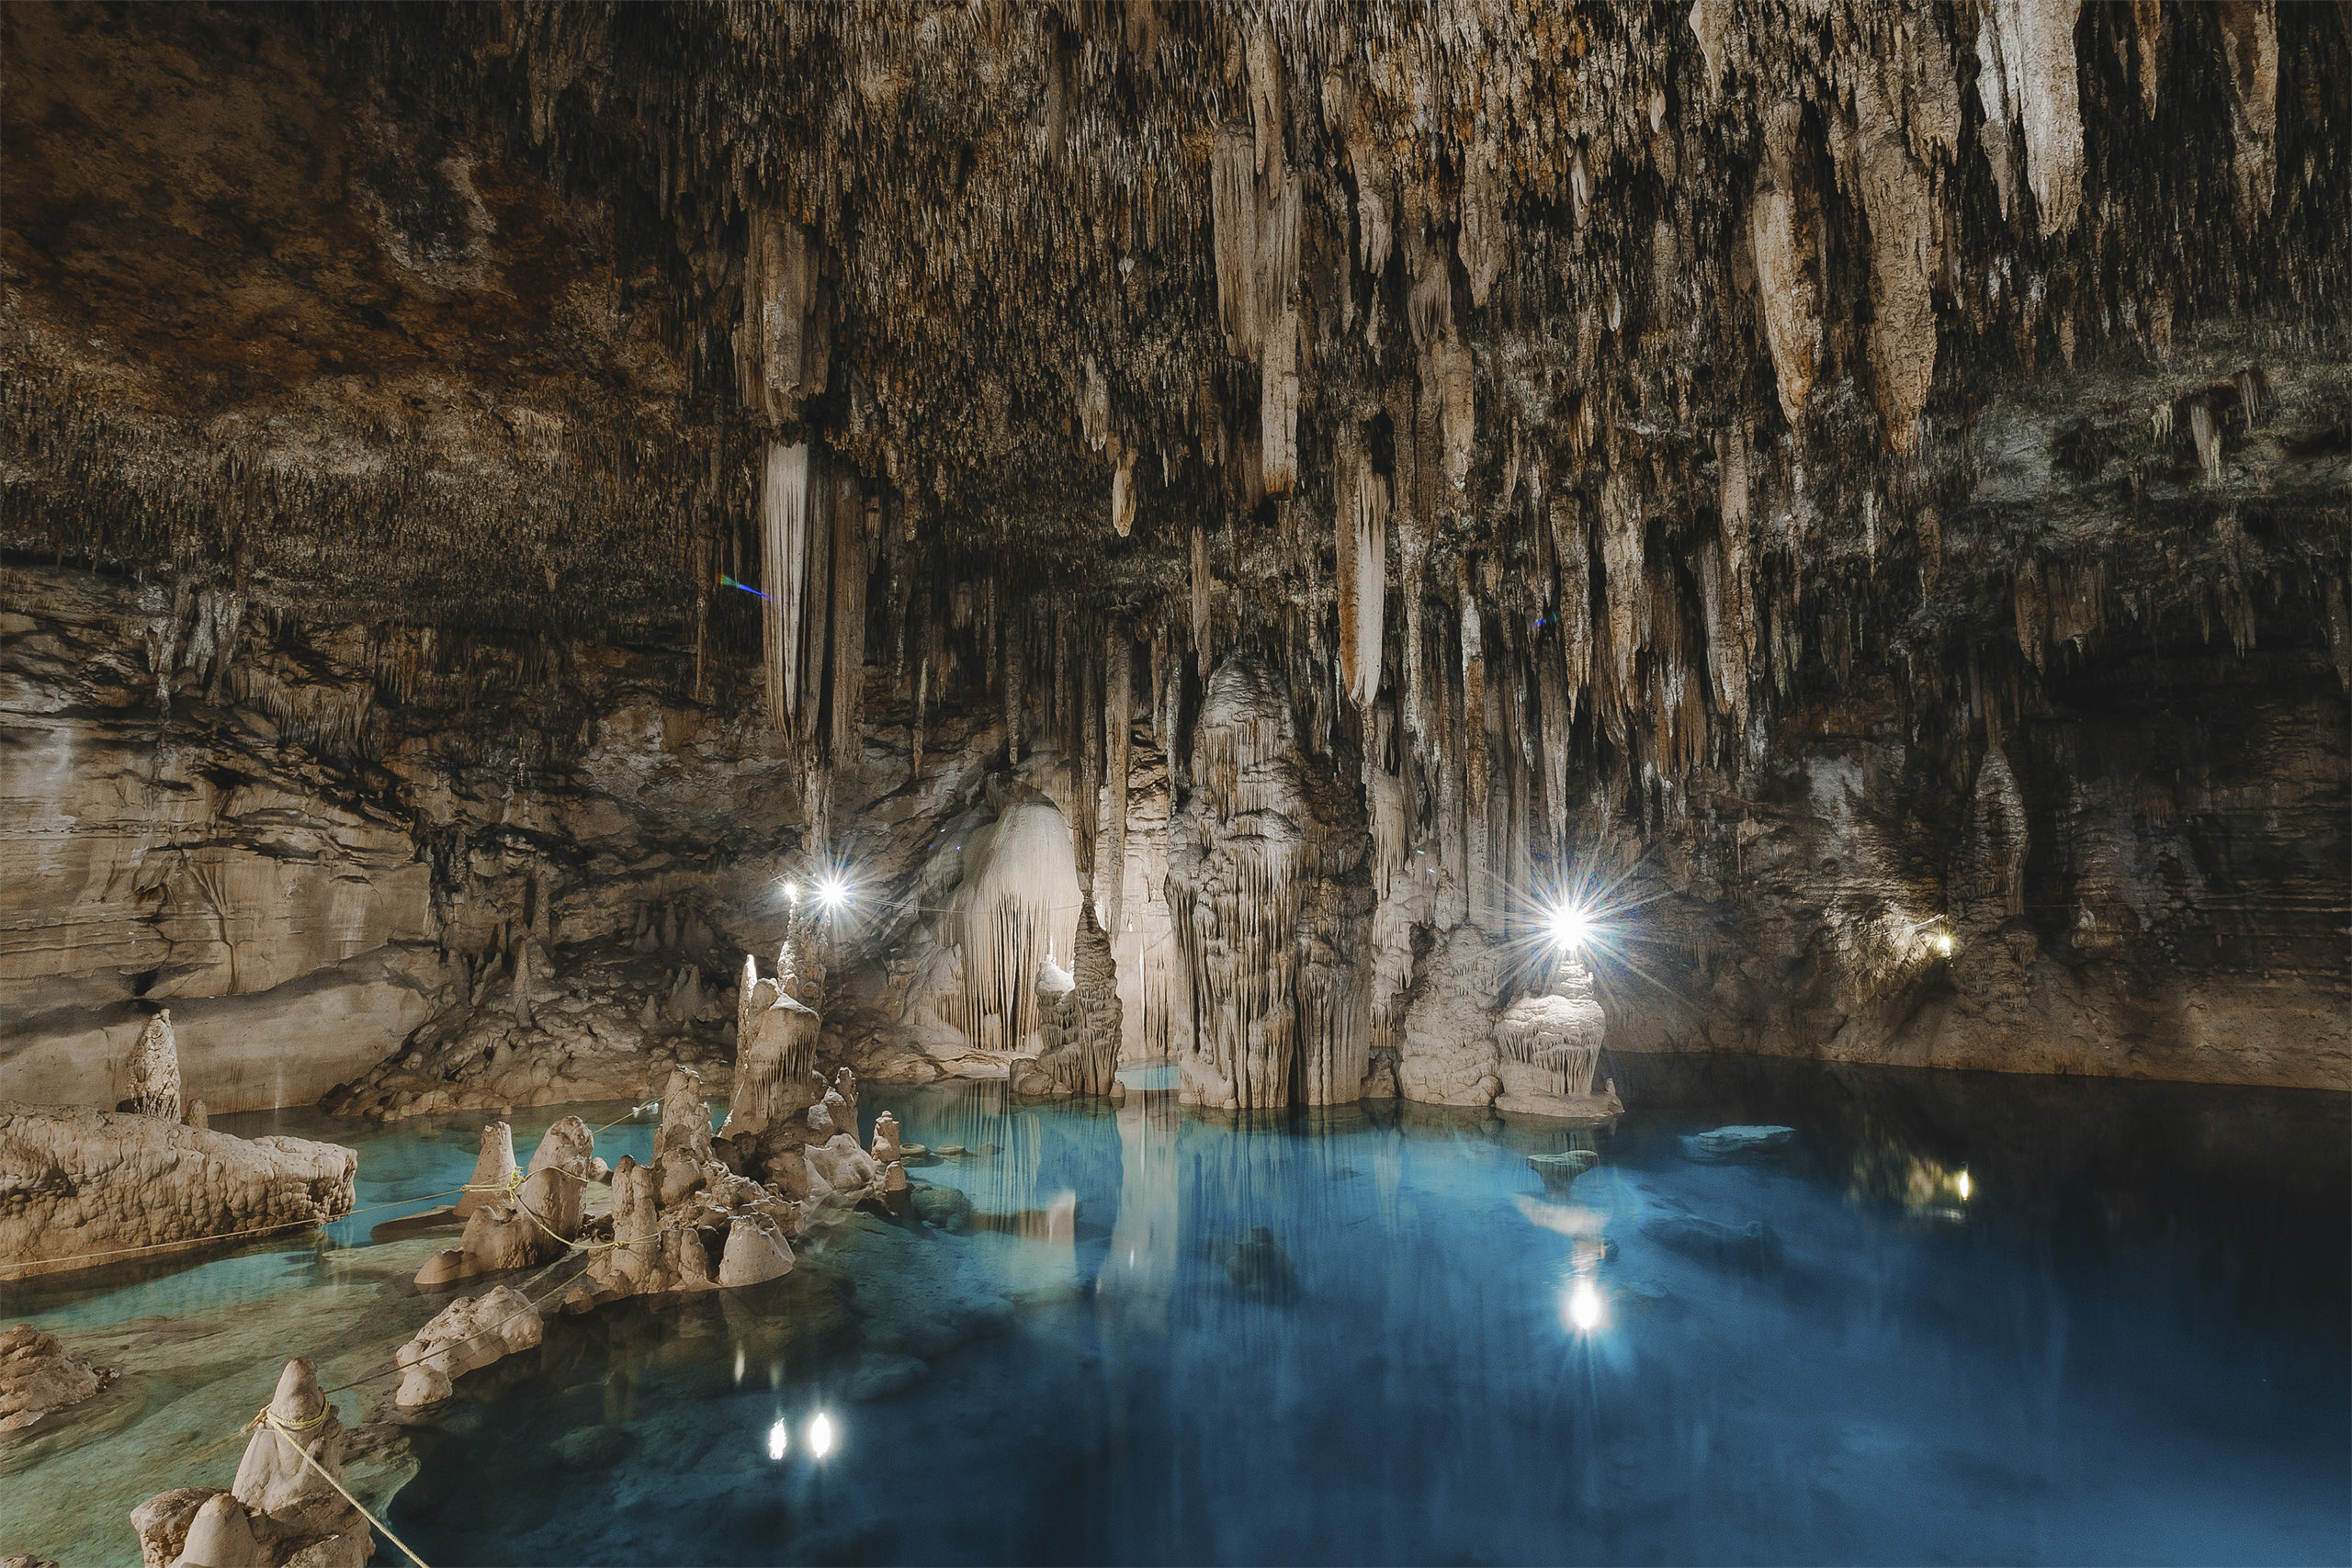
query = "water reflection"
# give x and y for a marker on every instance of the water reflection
(1382, 1335)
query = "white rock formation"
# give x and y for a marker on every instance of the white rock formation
(470, 1332)
(1548, 1050)
(492, 1167)
(155, 1070)
(536, 1224)
(280, 1512)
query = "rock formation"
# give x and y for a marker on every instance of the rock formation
(88, 1187)
(1078, 1022)
(536, 1224)
(775, 1059)
(156, 1071)
(470, 1332)
(38, 1377)
(1548, 1050)
(280, 1512)
(493, 1166)
(1269, 893)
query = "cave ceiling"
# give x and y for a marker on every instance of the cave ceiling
(441, 315)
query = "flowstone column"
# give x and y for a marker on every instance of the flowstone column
(1549, 1048)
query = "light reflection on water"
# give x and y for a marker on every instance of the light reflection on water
(1372, 1336)
(1369, 1336)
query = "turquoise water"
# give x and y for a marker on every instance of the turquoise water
(1949, 1318)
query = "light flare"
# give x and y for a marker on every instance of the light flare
(778, 1438)
(1585, 1307)
(821, 1435)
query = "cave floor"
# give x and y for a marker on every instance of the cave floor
(1947, 1317)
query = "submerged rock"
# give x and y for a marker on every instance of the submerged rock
(1560, 1170)
(38, 1377)
(1726, 1144)
(91, 1187)
(1751, 1246)
(470, 1332)
(1257, 1265)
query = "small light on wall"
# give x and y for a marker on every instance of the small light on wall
(778, 1438)
(821, 1435)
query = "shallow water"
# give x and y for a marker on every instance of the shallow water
(1349, 1339)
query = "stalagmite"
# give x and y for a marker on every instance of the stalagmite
(533, 1225)
(493, 1165)
(1548, 1050)
(775, 1056)
(155, 1070)
(1266, 941)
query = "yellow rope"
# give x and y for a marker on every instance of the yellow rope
(302, 1453)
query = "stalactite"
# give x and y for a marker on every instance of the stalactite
(2025, 57)
(1361, 537)
(1622, 531)
(783, 562)
(1477, 763)
(832, 496)
(1783, 223)
(1013, 662)
(1118, 682)
(1571, 548)
(853, 530)
(1203, 585)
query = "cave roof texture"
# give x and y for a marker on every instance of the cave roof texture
(1897, 341)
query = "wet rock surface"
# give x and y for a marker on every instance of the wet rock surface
(92, 1187)
(39, 1376)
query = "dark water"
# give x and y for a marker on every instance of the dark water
(1349, 1340)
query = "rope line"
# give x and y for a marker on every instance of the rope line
(286, 1433)
(273, 1227)
(531, 1305)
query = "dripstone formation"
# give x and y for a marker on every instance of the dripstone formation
(1240, 507)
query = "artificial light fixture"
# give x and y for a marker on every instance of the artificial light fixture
(1964, 1186)
(1571, 926)
(821, 1435)
(792, 891)
(778, 1438)
(1943, 943)
(831, 894)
